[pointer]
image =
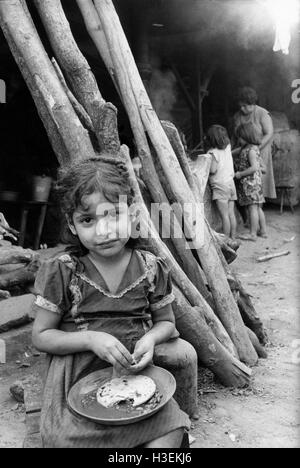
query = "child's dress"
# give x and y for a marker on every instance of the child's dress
(76, 290)
(249, 189)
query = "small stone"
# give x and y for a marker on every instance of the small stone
(17, 391)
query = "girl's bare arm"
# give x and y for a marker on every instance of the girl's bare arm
(236, 151)
(213, 166)
(268, 131)
(254, 166)
(161, 332)
(47, 338)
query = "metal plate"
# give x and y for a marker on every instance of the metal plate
(165, 385)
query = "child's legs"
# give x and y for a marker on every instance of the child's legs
(232, 218)
(254, 219)
(224, 212)
(171, 440)
(262, 221)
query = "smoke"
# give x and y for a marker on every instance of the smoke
(163, 92)
(238, 37)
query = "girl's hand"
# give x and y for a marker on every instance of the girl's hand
(108, 348)
(143, 353)
(238, 175)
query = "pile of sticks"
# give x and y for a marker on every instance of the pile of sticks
(17, 269)
(213, 311)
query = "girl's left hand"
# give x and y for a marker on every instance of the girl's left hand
(238, 175)
(143, 353)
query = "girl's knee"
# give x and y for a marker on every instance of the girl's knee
(171, 440)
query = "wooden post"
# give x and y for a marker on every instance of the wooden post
(199, 99)
(69, 139)
(126, 70)
(79, 74)
(156, 245)
(211, 353)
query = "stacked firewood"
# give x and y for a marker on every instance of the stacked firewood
(213, 311)
(17, 265)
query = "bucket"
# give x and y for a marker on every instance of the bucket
(41, 186)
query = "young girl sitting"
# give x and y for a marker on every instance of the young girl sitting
(94, 306)
(222, 177)
(249, 179)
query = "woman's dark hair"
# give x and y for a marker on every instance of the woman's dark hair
(105, 174)
(217, 137)
(247, 95)
(250, 133)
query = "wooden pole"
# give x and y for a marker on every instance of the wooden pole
(79, 74)
(159, 248)
(126, 69)
(192, 327)
(115, 65)
(69, 139)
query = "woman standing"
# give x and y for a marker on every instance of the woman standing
(250, 112)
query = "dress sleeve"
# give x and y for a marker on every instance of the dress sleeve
(161, 295)
(51, 287)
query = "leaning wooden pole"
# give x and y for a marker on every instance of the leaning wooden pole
(79, 74)
(211, 354)
(122, 82)
(195, 324)
(159, 248)
(69, 139)
(125, 68)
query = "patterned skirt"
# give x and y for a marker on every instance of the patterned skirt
(249, 190)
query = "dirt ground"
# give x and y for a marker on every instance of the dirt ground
(266, 414)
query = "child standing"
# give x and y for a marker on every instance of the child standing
(222, 177)
(249, 179)
(94, 306)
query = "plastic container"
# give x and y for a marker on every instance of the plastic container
(41, 186)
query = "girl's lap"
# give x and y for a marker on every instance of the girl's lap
(72, 431)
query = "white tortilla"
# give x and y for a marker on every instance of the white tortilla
(137, 388)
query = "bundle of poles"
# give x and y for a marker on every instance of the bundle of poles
(213, 311)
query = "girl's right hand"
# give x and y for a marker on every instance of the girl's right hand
(110, 349)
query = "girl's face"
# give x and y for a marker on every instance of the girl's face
(103, 227)
(246, 109)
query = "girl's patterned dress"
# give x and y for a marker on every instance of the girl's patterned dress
(74, 289)
(249, 189)
(257, 116)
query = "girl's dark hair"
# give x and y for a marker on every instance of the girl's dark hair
(250, 133)
(105, 173)
(217, 137)
(247, 95)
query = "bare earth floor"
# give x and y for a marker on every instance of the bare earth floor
(265, 415)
